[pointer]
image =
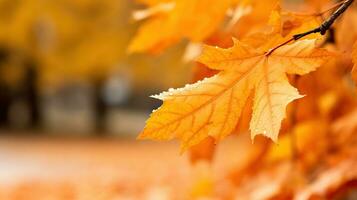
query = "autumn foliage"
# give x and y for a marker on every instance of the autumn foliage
(297, 92)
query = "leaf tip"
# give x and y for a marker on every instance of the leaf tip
(183, 149)
(273, 137)
(142, 136)
(156, 96)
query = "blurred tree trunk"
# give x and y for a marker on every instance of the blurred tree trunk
(5, 97)
(31, 94)
(100, 108)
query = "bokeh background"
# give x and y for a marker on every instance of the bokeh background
(72, 102)
(65, 67)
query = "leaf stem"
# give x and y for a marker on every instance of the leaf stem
(277, 47)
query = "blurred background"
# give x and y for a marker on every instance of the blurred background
(72, 102)
(65, 68)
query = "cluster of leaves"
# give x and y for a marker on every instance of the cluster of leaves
(253, 82)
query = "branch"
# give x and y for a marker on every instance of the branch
(322, 29)
(326, 25)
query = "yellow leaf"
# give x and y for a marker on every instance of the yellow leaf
(166, 29)
(212, 107)
(289, 24)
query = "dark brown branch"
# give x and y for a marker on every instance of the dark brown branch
(322, 29)
(326, 25)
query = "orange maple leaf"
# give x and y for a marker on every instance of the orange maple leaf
(191, 19)
(212, 107)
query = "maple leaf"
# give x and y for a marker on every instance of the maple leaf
(168, 28)
(289, 23)
(212, 107)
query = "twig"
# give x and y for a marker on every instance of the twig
(322, 29)
(327, 23)
(277, 47)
